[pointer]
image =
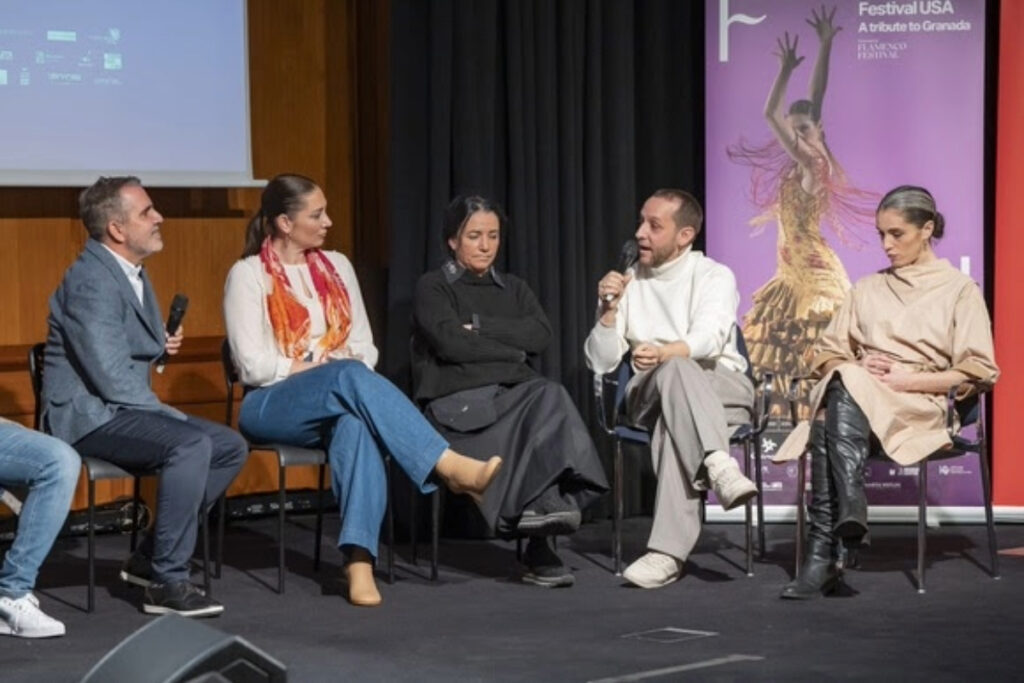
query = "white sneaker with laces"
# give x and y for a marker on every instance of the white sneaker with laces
(22, 618)
(654, 570)
(731, 487)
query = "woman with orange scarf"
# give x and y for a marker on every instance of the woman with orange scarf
(302, 344)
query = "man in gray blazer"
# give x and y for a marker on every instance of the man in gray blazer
(106, 331)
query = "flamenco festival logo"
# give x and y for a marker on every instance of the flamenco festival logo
(724, 19)
(874, 49)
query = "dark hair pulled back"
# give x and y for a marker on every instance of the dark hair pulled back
(284, 194)
(916, 205)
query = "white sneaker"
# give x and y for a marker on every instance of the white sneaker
(654, 570)
(731, 488)
(22, 618)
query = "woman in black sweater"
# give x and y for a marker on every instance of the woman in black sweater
(476, 330)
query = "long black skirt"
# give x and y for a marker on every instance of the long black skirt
(537, 430)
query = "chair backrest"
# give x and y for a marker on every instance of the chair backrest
(967, 409)
(35, 370)
(741, 347)
(623, 374)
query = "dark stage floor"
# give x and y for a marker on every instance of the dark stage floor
(479, 623)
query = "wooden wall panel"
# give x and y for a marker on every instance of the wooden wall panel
(303, 101)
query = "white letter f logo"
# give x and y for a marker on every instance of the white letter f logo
(723, 27)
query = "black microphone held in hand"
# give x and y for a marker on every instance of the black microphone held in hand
(627, 258)
(178, 307)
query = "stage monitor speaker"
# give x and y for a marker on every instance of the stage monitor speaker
(174, 649)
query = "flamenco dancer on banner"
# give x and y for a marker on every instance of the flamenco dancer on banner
(799, 184)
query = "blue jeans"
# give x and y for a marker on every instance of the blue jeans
(356, 416)
(49, 468)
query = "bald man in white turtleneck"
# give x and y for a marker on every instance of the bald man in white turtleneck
(675, 313)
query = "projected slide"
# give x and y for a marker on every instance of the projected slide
(157, 89)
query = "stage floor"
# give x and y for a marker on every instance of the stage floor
(478, 623)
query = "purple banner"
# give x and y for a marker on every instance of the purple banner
(876, 94)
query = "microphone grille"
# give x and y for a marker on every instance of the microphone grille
(629, 254)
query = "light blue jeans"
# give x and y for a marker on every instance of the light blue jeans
(356, 416)
(49, 468)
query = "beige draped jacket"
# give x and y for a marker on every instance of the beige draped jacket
(928, 317)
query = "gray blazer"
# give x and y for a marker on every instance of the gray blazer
(100, 347)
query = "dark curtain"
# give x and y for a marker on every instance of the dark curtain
(568, 112)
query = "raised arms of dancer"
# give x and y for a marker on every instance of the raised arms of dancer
(822, 25)
(773, 108)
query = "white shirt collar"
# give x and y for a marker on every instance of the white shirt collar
(132, 272)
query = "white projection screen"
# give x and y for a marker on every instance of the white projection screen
(154, 88)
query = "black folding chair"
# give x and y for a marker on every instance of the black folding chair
(613, 386)
(97, 469)
(968, 413)
(294, 456)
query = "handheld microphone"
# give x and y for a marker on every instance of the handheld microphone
(627, 257)
(178, 307)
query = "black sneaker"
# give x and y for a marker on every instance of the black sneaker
(543, 567)
(137, 570)
(561, 523)
(179, 597)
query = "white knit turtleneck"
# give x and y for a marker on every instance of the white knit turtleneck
(690, 298)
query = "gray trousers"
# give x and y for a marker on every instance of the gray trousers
(197, 459)
(688, 409)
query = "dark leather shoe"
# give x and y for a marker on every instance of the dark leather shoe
(544, 567)
(561, 523)
(179, 597)
(137, 570)
(818, 576)
(819, 573)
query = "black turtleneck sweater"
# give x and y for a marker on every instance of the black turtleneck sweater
(506, 326)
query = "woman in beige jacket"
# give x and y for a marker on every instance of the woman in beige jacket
(903, 337)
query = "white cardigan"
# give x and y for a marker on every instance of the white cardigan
(251, 335)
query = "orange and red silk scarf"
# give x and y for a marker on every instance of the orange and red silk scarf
(289, 317)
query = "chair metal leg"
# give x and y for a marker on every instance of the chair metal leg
(222, 512)
(280, 526)
(986, 492)
(435, 532)
(617, 508)
(391, 520)
(136, 506)
(319, 516)
(414, 500)
(748, 513)
(204, 530)
(761, 546)
(801, 512)
(91, 545)
(986, 485)
(922, 518)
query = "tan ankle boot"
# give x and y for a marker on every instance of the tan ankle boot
(362, 589)
(466, 475)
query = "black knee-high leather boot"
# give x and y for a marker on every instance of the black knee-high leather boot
(818, 573)
(849, 438)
